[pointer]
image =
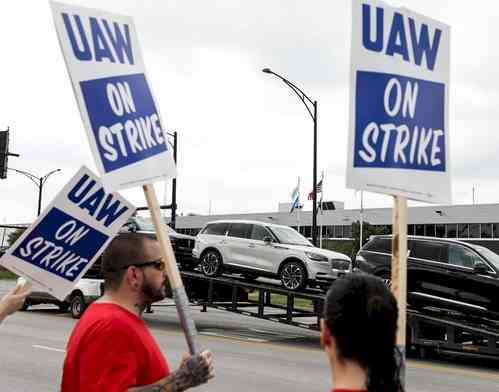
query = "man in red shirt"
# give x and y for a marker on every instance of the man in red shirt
(111, 349)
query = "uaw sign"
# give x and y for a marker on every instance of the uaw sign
(399, 126)
(118, 108)
(69, 235)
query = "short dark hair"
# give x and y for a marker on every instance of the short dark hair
(125, 249)
(361, 314)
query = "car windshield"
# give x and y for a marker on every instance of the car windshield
(144, 224)
(488, 254)
(289, 236)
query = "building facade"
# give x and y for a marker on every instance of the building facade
(475, 223)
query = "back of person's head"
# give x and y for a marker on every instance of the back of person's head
(361, 314)
(124, 250)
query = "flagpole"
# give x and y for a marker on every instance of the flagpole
(295, 202)
(299, 219)
(298, 214)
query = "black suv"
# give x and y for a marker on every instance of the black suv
(441, 273)
(182, 244)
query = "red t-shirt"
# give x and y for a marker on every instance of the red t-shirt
(111, 350)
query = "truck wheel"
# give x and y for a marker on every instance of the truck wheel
(211, 263)
(63, 306)
(293, 276)
(77, 306)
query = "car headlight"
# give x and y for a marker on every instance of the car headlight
(316, 256)
(340, 264)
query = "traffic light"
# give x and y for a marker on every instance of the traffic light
(4, 153)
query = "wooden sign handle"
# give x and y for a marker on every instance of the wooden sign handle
(177, 286)
(399, 273)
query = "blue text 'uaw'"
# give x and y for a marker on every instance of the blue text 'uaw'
(105, 40)
(396, 41)
(91, 197)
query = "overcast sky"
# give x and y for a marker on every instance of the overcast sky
(244, 137)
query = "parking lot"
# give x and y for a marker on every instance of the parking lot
(251, 354)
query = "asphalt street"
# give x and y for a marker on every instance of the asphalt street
(250, 354)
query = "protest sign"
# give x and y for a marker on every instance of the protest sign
(70, 234)
(121, 118)
(399, 125)
(399, 101)
(120, 114)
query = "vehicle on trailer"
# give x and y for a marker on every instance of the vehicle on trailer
(441, 273)
(256, 249)
(182, 244)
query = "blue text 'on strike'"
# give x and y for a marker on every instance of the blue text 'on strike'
(61, 245)
(124, 119)
(399, 123)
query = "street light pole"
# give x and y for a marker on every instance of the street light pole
(312, 110)
(314, 209)
(40, 187)
(38, 181)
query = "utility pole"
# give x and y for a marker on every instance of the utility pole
(311, 107)
(174, 184)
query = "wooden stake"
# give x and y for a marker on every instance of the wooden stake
(399, 273)
(176, 284)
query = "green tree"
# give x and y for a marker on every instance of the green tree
(367, 231)
(14, 235)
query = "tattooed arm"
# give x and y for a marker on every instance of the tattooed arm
(193, 371)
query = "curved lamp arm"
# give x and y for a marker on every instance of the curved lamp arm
(36, 180)
(32, 177)
(44, 178)
(298, 91)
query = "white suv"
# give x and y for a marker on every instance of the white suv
(262, 249)
(83, 294)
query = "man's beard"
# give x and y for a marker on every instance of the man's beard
(152, 294)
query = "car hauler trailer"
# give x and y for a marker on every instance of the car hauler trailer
(444, 332)
(437, 331)
(257, 299)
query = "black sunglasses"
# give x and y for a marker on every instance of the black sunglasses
(158, 264)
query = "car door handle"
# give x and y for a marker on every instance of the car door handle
(223, 242)
(251, 246)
